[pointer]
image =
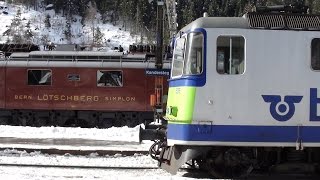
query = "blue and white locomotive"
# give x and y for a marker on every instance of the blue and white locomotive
(244, 93)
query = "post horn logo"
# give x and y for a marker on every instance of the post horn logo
(282, 111)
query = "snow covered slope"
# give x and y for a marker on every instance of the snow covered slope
(113, 36)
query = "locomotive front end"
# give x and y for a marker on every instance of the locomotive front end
(187, 75)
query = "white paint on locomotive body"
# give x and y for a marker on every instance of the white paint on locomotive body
(258, 87)
(277, 62)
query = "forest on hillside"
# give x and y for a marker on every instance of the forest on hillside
(144, 11)
(139, 16)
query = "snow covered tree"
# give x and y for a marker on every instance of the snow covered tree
(28, 34)
(90, 18)
(98, 37)
(45, 39)
(67, 31)
(15, 30)
(47, 21)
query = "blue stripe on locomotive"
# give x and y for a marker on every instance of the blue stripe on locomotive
(243, 133)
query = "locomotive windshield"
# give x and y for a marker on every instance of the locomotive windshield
(178, 57)
(188, 55)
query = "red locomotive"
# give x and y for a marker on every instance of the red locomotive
(77, 88)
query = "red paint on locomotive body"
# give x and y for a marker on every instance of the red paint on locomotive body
(84, 94)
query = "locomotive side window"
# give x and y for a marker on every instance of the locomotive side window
(315, 54)
(39, 77)
(230, 55)
(109, 78)
(194, 54)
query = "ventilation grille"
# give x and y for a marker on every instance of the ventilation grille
(303, 22)
(284, 21)
(272, 21)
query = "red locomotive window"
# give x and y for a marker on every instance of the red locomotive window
(39, 77)
(109, 78)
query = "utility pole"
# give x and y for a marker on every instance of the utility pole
(159, 52)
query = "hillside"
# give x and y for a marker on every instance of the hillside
(20, 24)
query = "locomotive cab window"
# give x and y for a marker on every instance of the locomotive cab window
(39, 77)
(188, 55)
(315, 54)
(230, 55)
(109, 78)
(178, 56)
(194, 54)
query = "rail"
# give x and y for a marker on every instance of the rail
(78, 166)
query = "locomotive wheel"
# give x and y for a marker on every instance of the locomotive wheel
(229, 164)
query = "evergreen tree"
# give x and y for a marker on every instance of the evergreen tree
(28, 34)
(98, 37)
(90, 18)
(181, 6)
(47, 21)
(15, 30)
(127, 11)
(67, 31)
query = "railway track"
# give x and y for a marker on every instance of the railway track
(54, 151)
(184, 172)
(121, 167)
(76, 166)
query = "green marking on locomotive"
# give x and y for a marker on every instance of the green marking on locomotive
(180, 104)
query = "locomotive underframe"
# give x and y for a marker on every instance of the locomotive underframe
(238, 162)
(74, 118)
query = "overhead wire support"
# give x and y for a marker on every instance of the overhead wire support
(159, 53)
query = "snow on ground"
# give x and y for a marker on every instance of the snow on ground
(117, 160)
(32, 173)
(112, 134)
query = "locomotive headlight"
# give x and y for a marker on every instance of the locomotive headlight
(172, 110)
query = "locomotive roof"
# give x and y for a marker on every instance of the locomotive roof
(47, 59)
(74, 53)
(253, 20)
(217, 22)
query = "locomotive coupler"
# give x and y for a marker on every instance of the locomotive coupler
(153, 134)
